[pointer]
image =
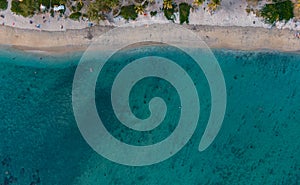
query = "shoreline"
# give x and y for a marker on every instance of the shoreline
(216, 37)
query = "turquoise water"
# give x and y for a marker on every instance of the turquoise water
(257, 144)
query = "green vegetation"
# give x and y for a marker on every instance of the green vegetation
(25, 8)
(73, 8)
(96, 10)
(169, 13)
(169, 9)
(153, 13)
(139, 9)
(184, 12)
(75, 16)
(79, 6)
(15, 7)
(198, 3)
(278, 11)
(99, 9)
(128, 12)
(213, 5)
(3, 4)
(52, 13)
(62, 11)
(168, 4)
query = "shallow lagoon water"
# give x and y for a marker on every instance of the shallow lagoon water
(257, 144)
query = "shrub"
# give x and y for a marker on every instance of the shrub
(3, 4)
(153, 13)
(75, 16)
(184, 12)
(79, 6)
(128, 12)
(73, 9)
(52, 13)
(56, 2)
(62, 11)
(25, 8)
(248, 10)
(99, 9)
(169, 13)
(15, 7)
(29, 7)
(277, 11)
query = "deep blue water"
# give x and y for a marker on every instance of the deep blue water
(257, 144)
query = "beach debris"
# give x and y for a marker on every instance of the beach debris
(297, 35)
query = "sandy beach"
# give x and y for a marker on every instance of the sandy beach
(232, 37)
(230, 27)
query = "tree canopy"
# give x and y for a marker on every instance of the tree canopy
(278, 11)
(129, 12)
(3, 4)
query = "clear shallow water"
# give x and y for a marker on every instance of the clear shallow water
(258, 142)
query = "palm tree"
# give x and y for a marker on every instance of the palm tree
(152, 1)
(168, 4)
(214, 4)
(198, 3)
(139, 9)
